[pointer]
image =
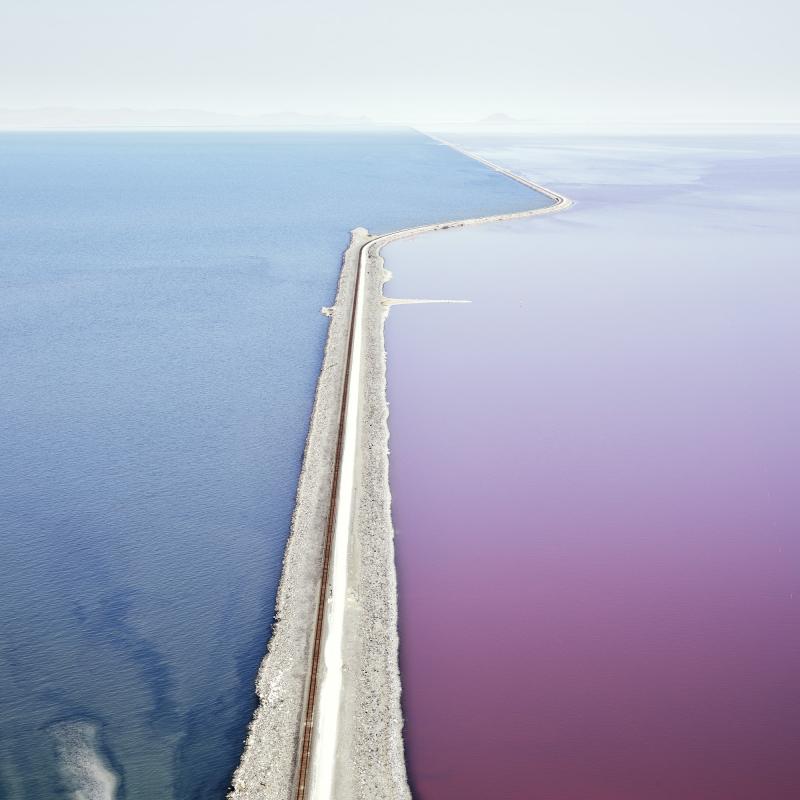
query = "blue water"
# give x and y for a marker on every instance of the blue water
(160, 340)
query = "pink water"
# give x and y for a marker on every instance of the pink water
(594, 471)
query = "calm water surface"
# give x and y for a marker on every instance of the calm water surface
(595, 486)
(160, 339)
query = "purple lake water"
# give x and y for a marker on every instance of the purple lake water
(594, 470)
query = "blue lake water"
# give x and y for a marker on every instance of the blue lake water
(160, 340)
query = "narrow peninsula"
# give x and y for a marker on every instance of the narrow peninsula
(329, 721)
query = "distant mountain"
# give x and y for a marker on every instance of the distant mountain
(83, 119)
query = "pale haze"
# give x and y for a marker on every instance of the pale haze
(413, 61)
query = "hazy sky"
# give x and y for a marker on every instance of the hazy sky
(414, 60)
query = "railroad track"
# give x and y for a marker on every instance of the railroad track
(319, 625)
(310, 786)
